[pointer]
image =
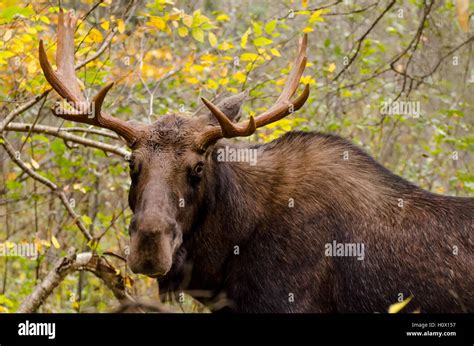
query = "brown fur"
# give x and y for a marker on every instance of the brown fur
(408, 250)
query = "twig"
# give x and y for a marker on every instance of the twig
(21, 109)
(362, 38)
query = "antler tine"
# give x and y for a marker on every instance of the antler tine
(65, 53)
(297, 71)
(228, 128)
(64, 81)
(282, 107)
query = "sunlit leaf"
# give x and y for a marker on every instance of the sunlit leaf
(212, 39)
(55, 242)
(262, 41)
(394, 308)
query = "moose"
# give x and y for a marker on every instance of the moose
(260, 235)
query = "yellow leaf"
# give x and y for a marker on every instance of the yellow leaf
(187, 20)
(44, 19)
(262, 41)
(226, 45)
(76, 305)
(106, 25)
(307, 80)
(346, 93)
(239, 77)
(38, 244)
(128, 282)
(35, 164)
(209, 57)
(157, 22)
(212, 39)
(331, 67)
(249, 57)
(94, 36)
(245, 37)
(117, 271)
(308, 29)
(55, 242)
(192, 80)
(211, 84)
(304, 3)
(394, 308)
(223, 18)
(183, 31)
(275, 52)
(462, 9)
(316, 16)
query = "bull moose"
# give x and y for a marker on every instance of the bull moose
(281, 235)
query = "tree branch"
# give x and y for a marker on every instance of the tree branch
(69, 264)
(362, 38)
(64, 134)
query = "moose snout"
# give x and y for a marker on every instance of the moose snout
(152, 248)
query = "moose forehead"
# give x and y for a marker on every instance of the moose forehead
(171, 132)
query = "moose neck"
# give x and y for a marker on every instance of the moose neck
(296, 176)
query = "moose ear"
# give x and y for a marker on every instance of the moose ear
(230, 106)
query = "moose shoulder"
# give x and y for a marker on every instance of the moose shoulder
(306, 223)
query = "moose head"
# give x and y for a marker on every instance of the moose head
(171, 162)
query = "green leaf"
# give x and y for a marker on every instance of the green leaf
(270, 27)
(198, 34)
(257, 29)
(212, 39)
(10, 12)
(87, 220)
(182, 31)
(262, 41)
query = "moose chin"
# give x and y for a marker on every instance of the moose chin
(313, 225)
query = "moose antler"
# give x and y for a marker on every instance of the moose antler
(282, 107)
(65, 83)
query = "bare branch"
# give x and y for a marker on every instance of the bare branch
(64, 134)
(69, 264)
(21, 109)
(363, 37)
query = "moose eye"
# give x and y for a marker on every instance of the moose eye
(134, 169)
(198, 169)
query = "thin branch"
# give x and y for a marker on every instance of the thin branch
(64, 134)
(363, 37)
(21, 109)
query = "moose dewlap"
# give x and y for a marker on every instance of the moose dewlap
(354, 238)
